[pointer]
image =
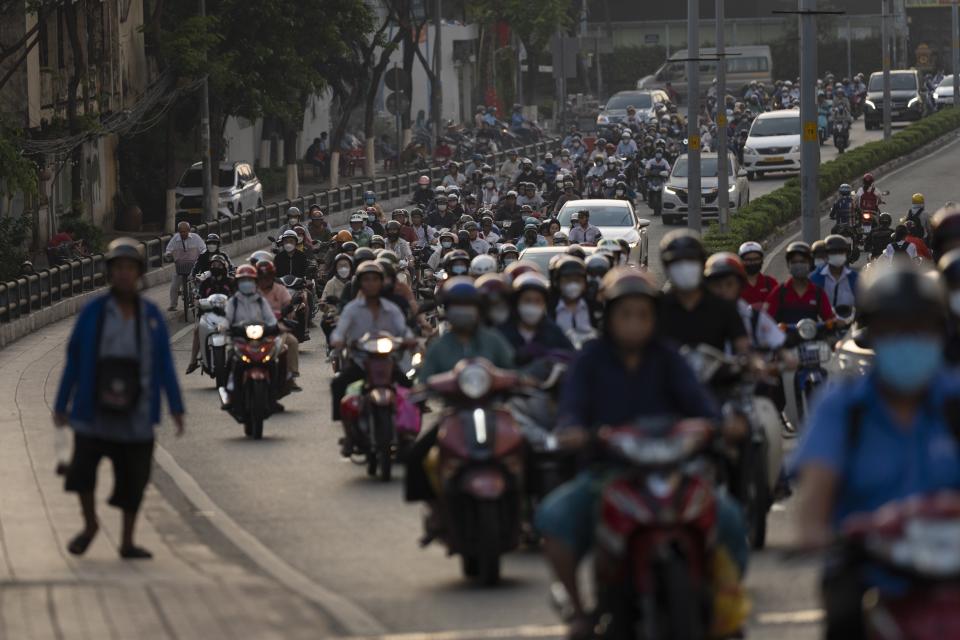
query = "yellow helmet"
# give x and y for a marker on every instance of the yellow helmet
(917, 198)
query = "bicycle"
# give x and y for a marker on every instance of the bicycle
(184, 269)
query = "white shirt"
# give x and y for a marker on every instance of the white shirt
(839, 292)
(768, 334)
(577, 319)
(189, 249)
(481, 246)
(889, 252)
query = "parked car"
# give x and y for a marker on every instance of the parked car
(646, 103)
(616, 219)
(675, 192)
(943, 94)
(239, 190)
(744, 65)
(773, 143)
(906, 99)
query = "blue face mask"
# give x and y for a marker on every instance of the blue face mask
(907, 363)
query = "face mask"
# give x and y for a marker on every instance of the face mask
(343, 272)
(572, 290)
(247, 287)
(907, 363)
(369, 201)
(446, 245)
(372, 218)
(441, 207)
(752, 269)
(837, 260)
(499, 314)
(799, 270)
(658, 156)
(212, 248)
(685, 275)
(458, 269)
(293, 221)
(818, 263)
(530, 314)
(289, 247)
(463, 318)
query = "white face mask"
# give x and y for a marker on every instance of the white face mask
(446, 245)
(818, 263)
(685, 274)
(530, 314)
(247, 287)
(501, 313)
(572, 290)
(441, 207)
(212, 248)
(459, 269)
(343, 272)
(955, 302)
(837, 260)
(289, 247)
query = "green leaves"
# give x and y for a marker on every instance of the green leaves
(17, 173)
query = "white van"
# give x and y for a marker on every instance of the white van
(744, 65)
(773, 143)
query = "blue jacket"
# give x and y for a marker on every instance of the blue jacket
(78, 385)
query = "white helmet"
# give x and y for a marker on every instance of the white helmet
(750, 247)
(626, 134)
(359, 216)
(482, 264)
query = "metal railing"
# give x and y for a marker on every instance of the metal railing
(28, 294)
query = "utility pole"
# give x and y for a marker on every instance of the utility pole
(955, 50)
(694, 192)
(209, 207)
(809, 138)
(437, 68)
(723, 194)
(849, 50)
(885, 45)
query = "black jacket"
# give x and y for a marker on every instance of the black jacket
(291, 263)
(203, 262)
(549, 337)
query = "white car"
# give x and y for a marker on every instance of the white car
(773, 143)
(675, 190)
(616, 220)
(240, 190)
(943, 94)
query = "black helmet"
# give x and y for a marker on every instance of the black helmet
(213, 238)
(389, 270)
(949, 266)
(623, 282)
(455, 256)
(576, 251)
(393, 225)
(460, 290)
(885, 220)
(836, 242)
(258, 256)
(363, 254)
(800, 248)
(126, 248)
(944, 229)
(349, 246)
(370, 266)
(597, 265)
(681, 244)
(900, 290)
(341, 257)
(569, 265)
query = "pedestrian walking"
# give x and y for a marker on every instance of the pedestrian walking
(184, 247)
(118, 362)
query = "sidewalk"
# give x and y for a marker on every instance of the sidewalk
(190, 589)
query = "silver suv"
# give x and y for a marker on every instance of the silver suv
(239, 190)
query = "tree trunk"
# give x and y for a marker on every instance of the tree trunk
(290, 135)
(73, 122)
(171, 202)
(533, 64)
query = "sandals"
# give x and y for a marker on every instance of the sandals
(80, 543)
(135, 553)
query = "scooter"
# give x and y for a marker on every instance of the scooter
(300, 303)
(811, 341)
(371, 406)
(212, 328)
(251, 392)
(478, 465)
(841, 136)
(655, 190)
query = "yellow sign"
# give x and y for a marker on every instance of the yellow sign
(694, 143)
(810, 132)
(722, 118)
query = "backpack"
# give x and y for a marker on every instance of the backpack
(900, 247)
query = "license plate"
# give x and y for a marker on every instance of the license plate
(895, 112)
(194, 210)
(775, 159)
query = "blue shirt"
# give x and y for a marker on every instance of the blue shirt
(600, 391)
(889, 461)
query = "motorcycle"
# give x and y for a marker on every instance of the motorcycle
(841, 135)
(823, 125)
(369, 410)
(479, 466)
(655, 180)
(654, 543)
(918, 540)
(300, 307)
(212, 327)
(809, 339)
(852, 233)
(251, 391)
(755, 468)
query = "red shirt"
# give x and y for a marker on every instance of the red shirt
(812, 304)
(921, 246)
(755, 295)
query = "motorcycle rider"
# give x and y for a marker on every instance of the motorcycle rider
(837, 279)
(317, 228)
(900, 247)
(479, 245)
(725, 278)
(489, 194)
(627, 147)
(757, 285)
(628, 373)
(397, 244)
(219, 281)
(531, 237)
(281, 304)
(358, 229)
(842, 207)
(369, 312)
(443, 216)
(529, 196)
(425, 234)
(530, 331)
(406, 230)
(919, 216)
(342, 272)
(454, 178)
(202, 265)
(423, 196)
(797, 298)
(582, 232)
(945, 230)
(657, 164)
(819, 251)
(550, 168)
(509, 168)
(904, 412)
(572, 310)
(879, 237)
(290, 260)
(867, 198)
(294, 217)
(508, 255)
(689, 314)
(914, 233)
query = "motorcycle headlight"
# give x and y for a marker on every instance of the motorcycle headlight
(474, 381)
(416, 359)
(254, 332)
(807, 329)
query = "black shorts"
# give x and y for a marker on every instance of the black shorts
(131, 468)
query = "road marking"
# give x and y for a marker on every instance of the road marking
(525, 631)
(353, 618)
(803, 616)
(780, 247)
(175, 338)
